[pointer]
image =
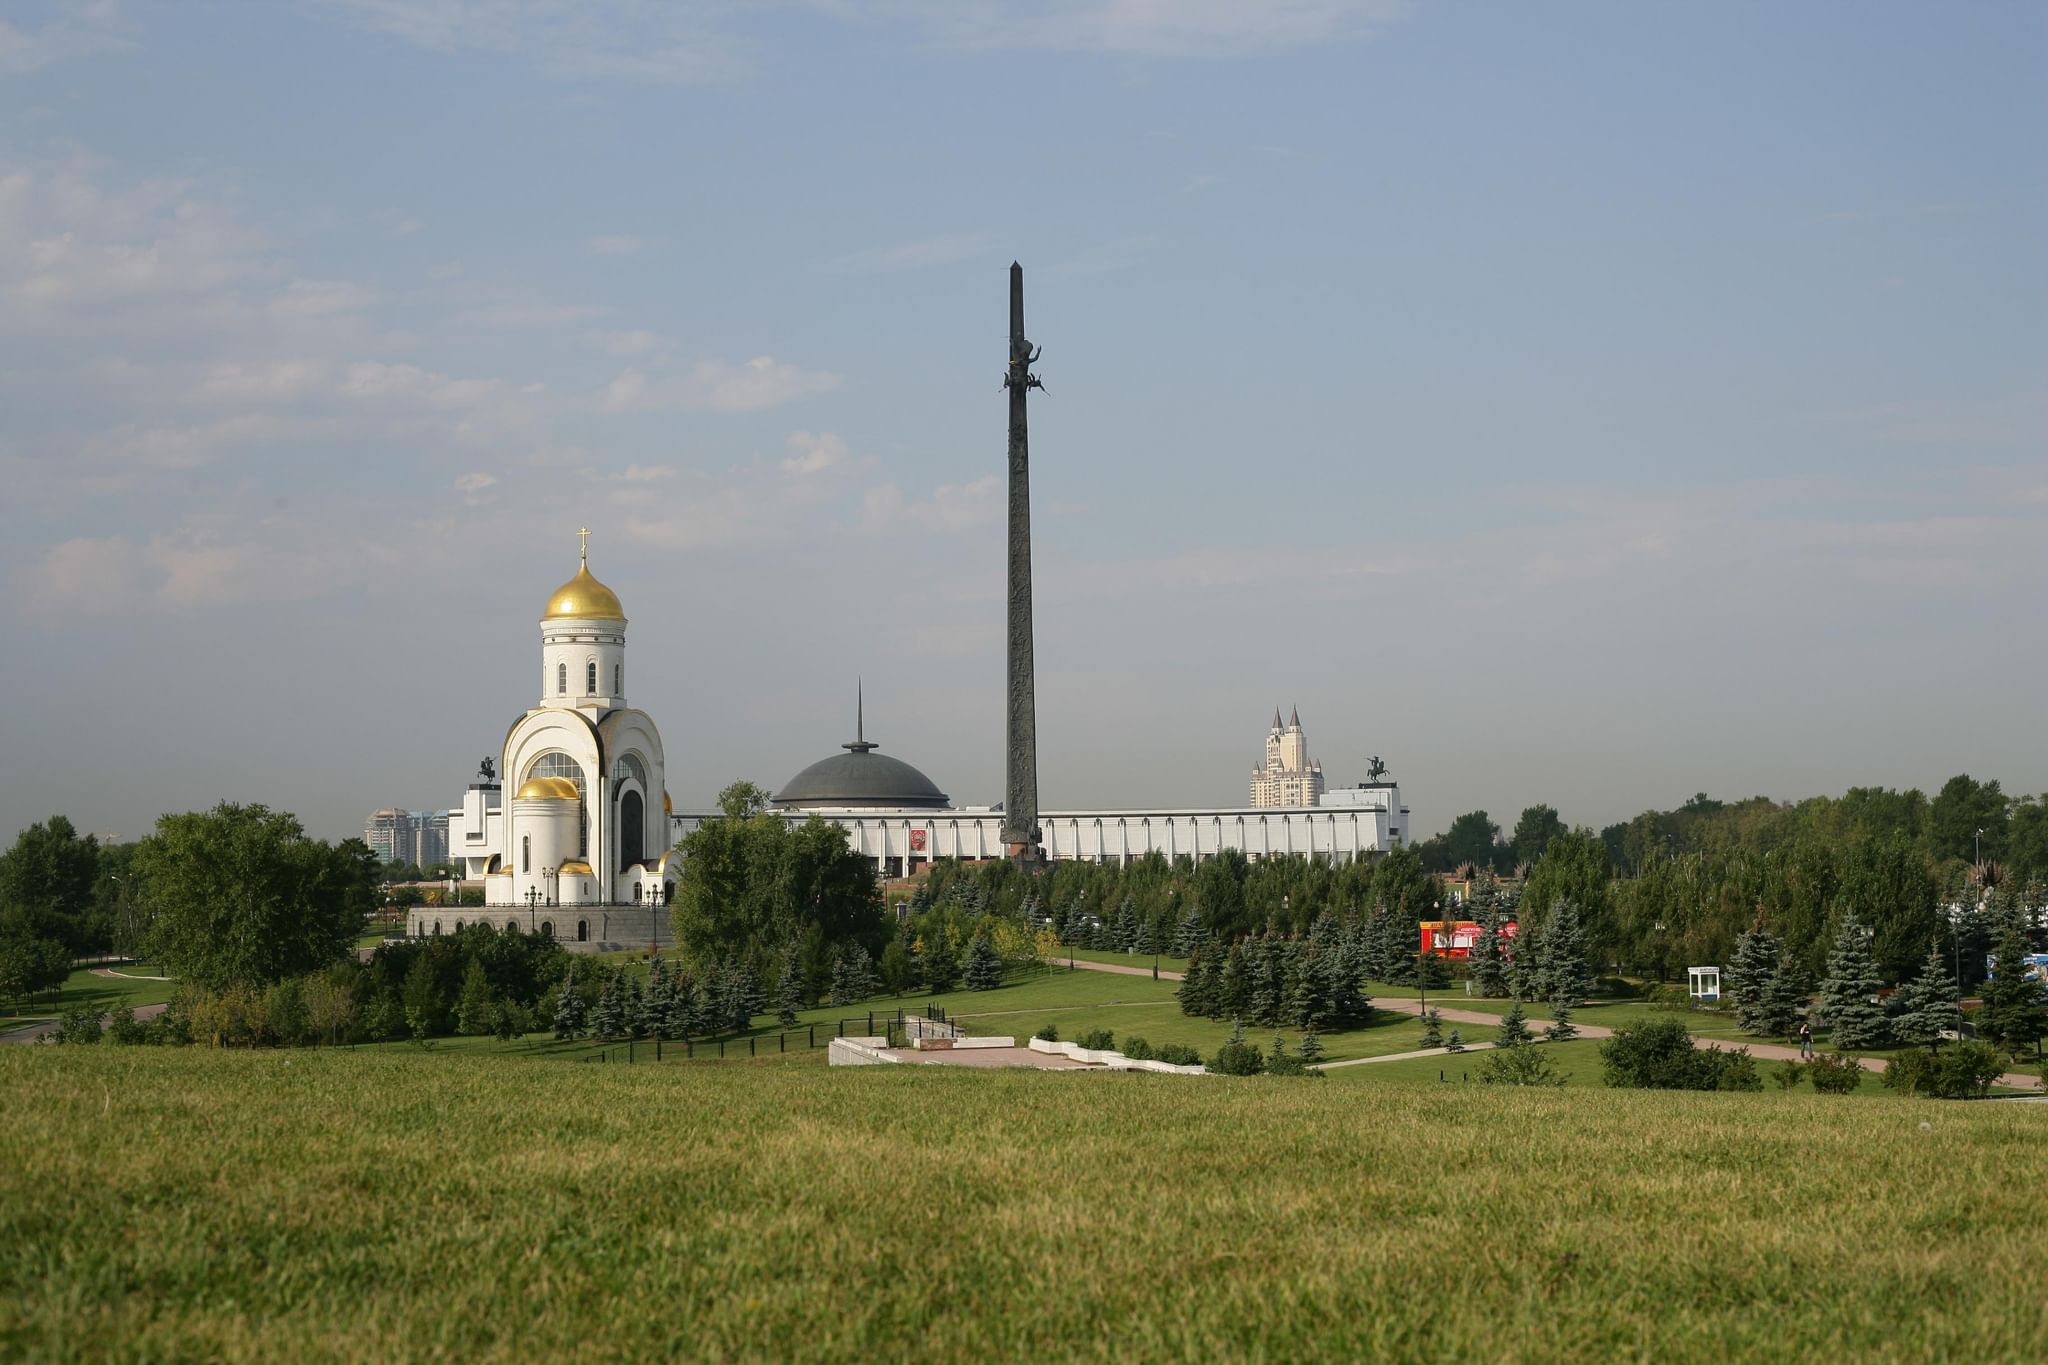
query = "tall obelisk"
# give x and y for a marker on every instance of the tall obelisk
(1021, 839)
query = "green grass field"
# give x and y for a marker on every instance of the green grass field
(189, 1204)
(83, 988)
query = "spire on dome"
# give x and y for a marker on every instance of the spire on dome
(860, 743)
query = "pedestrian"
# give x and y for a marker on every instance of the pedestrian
(1805, 1040)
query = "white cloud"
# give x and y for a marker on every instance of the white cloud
(627, 345)
(952, 507)
(71, 30)
(475, 487)
(316, 298)
(375, 380)
(814, 453)
(674, 42)
(617, 245)
(504, 315)
(262, 381)
(1150, 28)
(715, 386)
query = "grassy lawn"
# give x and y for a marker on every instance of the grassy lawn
(187, 1204)
(1167, 962)
(83, 988)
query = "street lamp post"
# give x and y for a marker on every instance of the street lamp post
(532, 909)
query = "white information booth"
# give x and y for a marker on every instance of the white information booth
(1703, 983)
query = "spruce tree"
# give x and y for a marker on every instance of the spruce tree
(1514, 1027)
(1527, 979)
(1487, 962)
(1193, 984)
(1432, 1027)
(842, 978)
(1188, 934)
(1125, 932)
(1848, 1006)
(476, 1007)
(1784, 998)
(1234, 983)
(1750, 973)
(1278, 1052)
(1567, 963)
(1268, 983)
(569, 1018)
(2015, 1006)
(635, 1005)
(1562, 1029)
(860, 973)
(1926, 1006)
(656, 1009)
(1454, 1043)
(1311, 1046)
(789, 988)
(1236, 1031)
(751, 1001)
(608, 1021)
(984, 969)
(935, 962)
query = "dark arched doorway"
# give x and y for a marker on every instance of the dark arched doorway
(632, 829)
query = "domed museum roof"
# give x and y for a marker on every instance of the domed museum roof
(860, 778)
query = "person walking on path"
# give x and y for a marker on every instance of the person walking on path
(1805, 1040)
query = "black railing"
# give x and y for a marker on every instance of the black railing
(886, 1025)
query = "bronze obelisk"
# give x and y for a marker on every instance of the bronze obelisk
(1021, 837)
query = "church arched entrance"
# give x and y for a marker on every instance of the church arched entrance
(632, 829)
(582, 931)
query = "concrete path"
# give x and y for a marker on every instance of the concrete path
(990, 1056)
(1763, 1052)
(128, 976)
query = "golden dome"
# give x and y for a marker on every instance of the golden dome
(576, 867)
(584, 598)
(547, 789)
(667, 806)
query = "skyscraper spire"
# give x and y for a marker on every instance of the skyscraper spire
(1294, 718)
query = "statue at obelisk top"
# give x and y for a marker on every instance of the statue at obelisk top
(1021, 838)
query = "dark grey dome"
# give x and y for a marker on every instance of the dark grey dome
(860, 777)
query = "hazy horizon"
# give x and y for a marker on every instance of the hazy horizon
(1592, 405)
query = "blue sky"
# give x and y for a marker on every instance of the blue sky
(1592, 403)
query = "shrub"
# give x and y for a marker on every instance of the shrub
(1964, 1071)
(1049, 1034)
(1835, 1073)
(80, 1025)
(1177, 1054)
(1138, 1049)
(1097, 1040)
(1660, 1056)
(1616, 987)
(123, 1027)
(1291, 1065)
(1669, 997)
(1788, 1075)
(1520, 1065)
(1238, 1059)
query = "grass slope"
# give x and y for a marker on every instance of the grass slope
(278, 1205)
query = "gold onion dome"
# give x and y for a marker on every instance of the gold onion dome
(584, 598)
(547, 789)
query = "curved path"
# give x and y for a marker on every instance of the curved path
(1765, 1052)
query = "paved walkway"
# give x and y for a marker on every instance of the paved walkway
(1763, 1052)
(35, 1033)
(990, 1056)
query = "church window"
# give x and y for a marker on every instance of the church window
(526, 853)
(590, 679)
(561, 680)
(636, 893)
(547, 929)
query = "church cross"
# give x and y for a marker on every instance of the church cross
(584, 536)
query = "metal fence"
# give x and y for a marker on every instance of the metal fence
(893, 1026)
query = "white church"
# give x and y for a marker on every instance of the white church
(582, 850)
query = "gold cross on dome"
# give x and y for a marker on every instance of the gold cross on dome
(584, 535)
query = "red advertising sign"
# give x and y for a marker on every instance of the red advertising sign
(1453, 939)
(917, 841)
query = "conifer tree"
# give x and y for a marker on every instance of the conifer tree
(1147, 940)
(1750, 971)
(860, 973)
(2015, 1006)
(1266, 983)
(1188, 934)
(1432, 1027)
(1487, 962)
(751, 1001)
(1562, 1029)
(1311, 1046)
(984, 969)
(1234, 983)
(1514, 1027)
(1926, 1006)
(702, 1010)
(476, 1007)
(655, 1009)
(935, 962)
(1278, 1052)
(842, 978)
(569, 1019)
(1126, 930)
(789, 988)
(1526, 977)
(1567, 963)
(1193, 985)
(1454, 1043)
(1848, 1006)
(608, 1021)
(1784, 998)
(635, 1006)
(1236, 1031)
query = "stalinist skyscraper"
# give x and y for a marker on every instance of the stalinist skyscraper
(1288, 777)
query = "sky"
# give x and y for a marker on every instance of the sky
(1589, 403)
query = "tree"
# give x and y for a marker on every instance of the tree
(751, 884)
(2015, 1006)
(1488, 961)
(1562, 1029)
(569, 1016)
(1575, 868)
(1567, 974)
(984, 971)
(935, 964)
(1959, 810)
(422, 999)
(1848, 1006)
(789, 988)
(1311, 1046)
(1432, 1027)
(241, 894)
(1519, 1066)
(1749, 976)
(1926, 1007)
(860, 972)
(743, 800)
(1660, 1055)
(476, 1008)
(1514, 1027)
(1187, 934)
(1533, 833)
(47, 884)
(608, 1020)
